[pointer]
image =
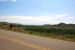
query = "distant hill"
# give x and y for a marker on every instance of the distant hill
(57, 26)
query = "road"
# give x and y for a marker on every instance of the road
(10, 40)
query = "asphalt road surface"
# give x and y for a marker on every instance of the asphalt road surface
(10, 40)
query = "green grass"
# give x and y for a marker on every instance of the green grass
(62, 34)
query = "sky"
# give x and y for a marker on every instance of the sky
(37, 12)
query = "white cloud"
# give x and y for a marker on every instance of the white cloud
(2, 0)
(14, 0)
(8, 0)
(62, 15)
(25, 19)
(36, 20)
(71, 17)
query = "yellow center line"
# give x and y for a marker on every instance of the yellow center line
(26, 44)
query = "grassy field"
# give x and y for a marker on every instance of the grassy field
(45, 31)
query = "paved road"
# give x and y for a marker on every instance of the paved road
(18, 41)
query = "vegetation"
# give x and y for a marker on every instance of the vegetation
(60, 31)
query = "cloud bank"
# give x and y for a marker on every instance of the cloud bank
(38, 20)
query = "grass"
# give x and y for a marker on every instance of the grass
(67, 37)
(60, 37)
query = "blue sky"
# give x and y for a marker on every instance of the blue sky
(55, 11)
